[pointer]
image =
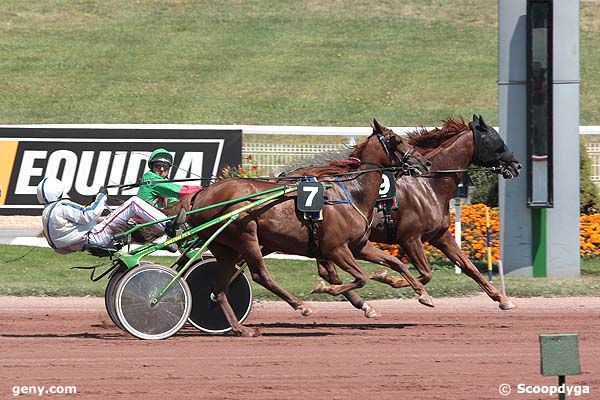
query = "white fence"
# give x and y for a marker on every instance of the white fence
(593, 149)
(273, 158)
(592, 135)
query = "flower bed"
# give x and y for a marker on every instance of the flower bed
(474, 238)
(589, 235)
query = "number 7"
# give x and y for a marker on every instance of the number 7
(313, 192)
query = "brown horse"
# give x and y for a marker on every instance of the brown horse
(279, 226)
(423, 213)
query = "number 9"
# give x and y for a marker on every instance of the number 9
(385, 185)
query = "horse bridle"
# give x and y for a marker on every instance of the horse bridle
(402, 168)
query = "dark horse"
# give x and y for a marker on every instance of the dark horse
(279, 226)
(423, 213)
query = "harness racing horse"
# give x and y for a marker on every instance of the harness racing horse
(423, 213)
(279, 226)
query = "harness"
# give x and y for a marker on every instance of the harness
(193, 198)
(386, 206)
(314, 217)
(387, 202)
(312, 211)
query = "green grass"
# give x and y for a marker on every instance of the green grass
(591, 267)
(407, 62)
(44, 273)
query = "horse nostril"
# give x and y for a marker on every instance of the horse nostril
(428, 164)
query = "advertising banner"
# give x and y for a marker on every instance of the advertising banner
(86, 158)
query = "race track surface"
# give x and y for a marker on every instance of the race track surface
(462, 349)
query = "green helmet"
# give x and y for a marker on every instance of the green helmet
(160, 155)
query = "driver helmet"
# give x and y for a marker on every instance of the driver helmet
(160, 155)
(50, 190)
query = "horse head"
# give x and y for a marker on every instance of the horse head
(491, 151)
(398, 151)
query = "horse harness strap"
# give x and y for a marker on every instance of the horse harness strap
(346, 200)
(192, 199)
(368, 227)
(386, 206)
(362, 215)
(313, 218)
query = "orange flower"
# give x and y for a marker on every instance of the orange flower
(473, 242)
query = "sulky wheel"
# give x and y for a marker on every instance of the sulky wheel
(206, 313)
(133, 302)
(109, 294)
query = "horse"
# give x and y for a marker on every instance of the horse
(423, 213)
(279, 226)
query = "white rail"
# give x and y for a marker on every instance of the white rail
(274, 158)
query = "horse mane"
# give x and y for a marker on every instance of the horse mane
(424, 139)
(335, 166)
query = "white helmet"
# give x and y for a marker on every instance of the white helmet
(50, 190)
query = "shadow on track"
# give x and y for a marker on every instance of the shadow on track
(83, 335)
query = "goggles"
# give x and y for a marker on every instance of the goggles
(161, 165)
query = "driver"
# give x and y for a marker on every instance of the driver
(155, 189)
(69, 227)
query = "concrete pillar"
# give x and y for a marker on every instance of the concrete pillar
(561, 235)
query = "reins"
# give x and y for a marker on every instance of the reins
(433, 174)
(345, 176)
(339, 175)
(137, 184)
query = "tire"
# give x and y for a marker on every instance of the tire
(134, 293)
(207, 314)
(109, 295)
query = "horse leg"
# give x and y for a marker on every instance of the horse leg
(251, 252)
(372, 254)
(416, 254)
(449, 247)
(328, 272)
(227, 258)
(342, 256)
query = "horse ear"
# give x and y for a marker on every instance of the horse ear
(377, 127)
(481, 121)
(474, 118)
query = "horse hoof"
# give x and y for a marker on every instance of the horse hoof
(370, 312)
(379, 275)
(305, 311)
(506, 305)
(247, 332)
(426, 300)
(320, 288)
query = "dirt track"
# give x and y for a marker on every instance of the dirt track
(463, 349)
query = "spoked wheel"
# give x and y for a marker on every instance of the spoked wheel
(109, 294)
(206, 312)
(133, 302)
